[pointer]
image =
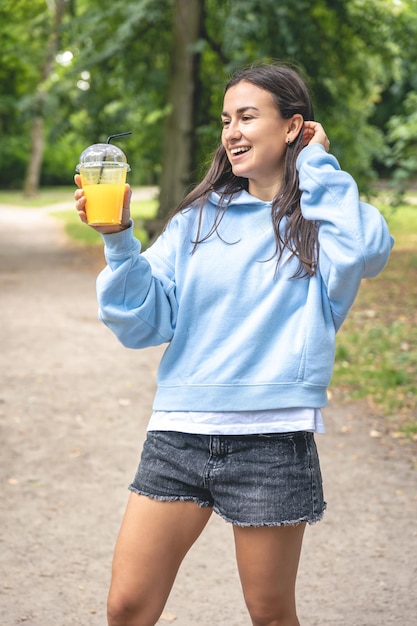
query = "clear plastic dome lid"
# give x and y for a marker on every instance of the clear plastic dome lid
(102, 154)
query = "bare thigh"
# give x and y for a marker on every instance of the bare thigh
(153, 540)
(267, 559)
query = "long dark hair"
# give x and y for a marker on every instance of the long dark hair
(299, 235)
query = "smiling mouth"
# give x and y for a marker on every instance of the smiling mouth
(241, 150)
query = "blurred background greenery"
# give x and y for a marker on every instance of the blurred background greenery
(73, 72)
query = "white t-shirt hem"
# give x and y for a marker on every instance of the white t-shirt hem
(239, 422)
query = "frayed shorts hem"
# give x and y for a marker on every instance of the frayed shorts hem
(207, 505)
(202, 504)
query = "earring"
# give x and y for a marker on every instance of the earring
(289, 141)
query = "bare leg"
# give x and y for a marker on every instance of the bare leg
(153, 540)
(268, 560)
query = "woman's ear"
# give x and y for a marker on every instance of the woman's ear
(295, 127)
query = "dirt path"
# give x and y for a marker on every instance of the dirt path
(73, 411)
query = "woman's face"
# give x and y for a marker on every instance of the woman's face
(255, 138)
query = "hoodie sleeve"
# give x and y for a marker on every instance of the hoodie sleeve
(136, 299)
(354, 241)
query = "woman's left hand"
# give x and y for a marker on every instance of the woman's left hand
(313, 132)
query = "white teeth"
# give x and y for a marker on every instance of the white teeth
(239, 150)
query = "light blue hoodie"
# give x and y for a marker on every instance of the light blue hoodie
(240, 336)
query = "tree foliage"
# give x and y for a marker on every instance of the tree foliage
(112, 72)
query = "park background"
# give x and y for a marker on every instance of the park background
(74, 403)
(74, 72)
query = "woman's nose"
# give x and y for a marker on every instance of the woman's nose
(232, 131)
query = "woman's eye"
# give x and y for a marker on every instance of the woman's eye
(224, 123)
(246, 118)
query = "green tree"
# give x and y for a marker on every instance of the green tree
(38, 101)
(114, 71)
(178, 156)
(17, 82)
(395, 112)
(123, 52)
(30, 36)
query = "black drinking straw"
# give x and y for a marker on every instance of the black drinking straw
(119, 135)
(105, 156)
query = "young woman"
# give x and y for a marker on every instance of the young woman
(248, 285)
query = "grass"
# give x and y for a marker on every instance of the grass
(376, 356)
(47, 196)
(403, 224)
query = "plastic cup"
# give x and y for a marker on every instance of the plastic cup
(103, 168)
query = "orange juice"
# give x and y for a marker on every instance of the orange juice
(104, 203)
(103, 170)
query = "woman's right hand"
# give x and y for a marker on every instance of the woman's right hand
(105, 230)
(314, 133)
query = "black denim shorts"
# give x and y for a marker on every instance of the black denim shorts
(249, 480)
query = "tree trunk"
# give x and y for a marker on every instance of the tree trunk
(179, 132)
(36, 156)
(33, 171)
